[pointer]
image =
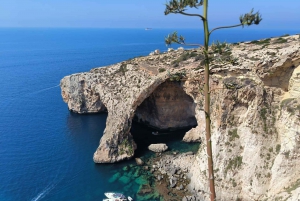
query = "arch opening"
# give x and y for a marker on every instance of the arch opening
(166, 115)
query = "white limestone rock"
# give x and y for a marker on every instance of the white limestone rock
(158, 147)
(157, 51)
(255, 130)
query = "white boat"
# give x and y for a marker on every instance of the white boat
(114, 196)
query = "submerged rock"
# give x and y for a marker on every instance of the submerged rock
(158, 147)
(124, 179)
(114, 177)
(137, 173)
(141, 180)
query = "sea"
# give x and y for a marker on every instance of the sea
(45, 150)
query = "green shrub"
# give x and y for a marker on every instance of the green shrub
(177, 76)
(233, 134)
(234, 163)
(185, 56)
(261, 42)
(161, 70)
(280, 40)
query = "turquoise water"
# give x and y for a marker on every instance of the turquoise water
(46, 151)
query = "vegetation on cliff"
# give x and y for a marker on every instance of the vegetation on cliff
(179, 7)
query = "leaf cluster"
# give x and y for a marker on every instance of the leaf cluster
(178, 6)
(222, 53)
(173, 38)
(250, 18)
(220, 47)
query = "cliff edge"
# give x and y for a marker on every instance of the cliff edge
(255, 103)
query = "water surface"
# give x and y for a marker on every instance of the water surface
(46, 151)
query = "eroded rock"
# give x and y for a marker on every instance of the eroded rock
(139, 161)
(158, 147)
(254, 104)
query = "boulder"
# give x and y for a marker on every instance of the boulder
(139, 161)
(189, 153)
(156, 51)
(158, 147)
(180, 49)
(173, 182)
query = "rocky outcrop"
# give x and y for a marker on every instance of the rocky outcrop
(255, 104)
(158, 147)
(139, 161)
(79, 94)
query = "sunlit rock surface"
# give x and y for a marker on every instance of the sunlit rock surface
(255, 103)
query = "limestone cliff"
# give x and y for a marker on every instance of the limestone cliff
(255, 112)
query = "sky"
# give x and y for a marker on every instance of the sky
(277, 14)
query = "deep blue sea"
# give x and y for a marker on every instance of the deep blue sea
(46, 151)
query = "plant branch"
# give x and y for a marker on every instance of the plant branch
(225, 27)
(195, 15)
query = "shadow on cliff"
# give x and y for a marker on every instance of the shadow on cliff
(163, 117)
(144, 136)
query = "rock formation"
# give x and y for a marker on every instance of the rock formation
(255, 102)
(158, 147)
(168, 107)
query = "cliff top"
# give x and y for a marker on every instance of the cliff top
(257, 56)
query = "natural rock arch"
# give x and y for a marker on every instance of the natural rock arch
(167, 108)
(117, 142)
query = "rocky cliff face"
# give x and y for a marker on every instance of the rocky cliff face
(168, 107)
(255, 112)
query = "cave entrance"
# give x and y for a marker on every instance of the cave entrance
(165, 116)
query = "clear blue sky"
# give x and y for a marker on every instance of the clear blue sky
(277, 14)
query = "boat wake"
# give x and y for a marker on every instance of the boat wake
(45, 89)
(44, 192)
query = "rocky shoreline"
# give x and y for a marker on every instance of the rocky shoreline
(159, 176)
(171, 177)
(255, 105)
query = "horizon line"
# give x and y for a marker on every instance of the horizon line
(152, 28)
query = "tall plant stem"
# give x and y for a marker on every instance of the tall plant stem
(207, 105)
